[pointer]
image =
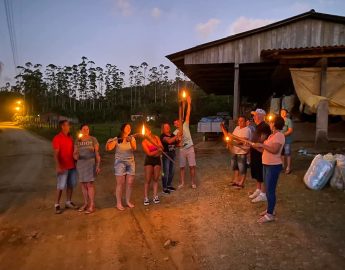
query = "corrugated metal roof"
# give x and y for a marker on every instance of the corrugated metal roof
(310, 14)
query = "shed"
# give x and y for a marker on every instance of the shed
(257, 63)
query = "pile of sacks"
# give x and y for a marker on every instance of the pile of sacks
(324, 169)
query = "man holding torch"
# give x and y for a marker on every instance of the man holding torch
(187, 152)
(238, 151)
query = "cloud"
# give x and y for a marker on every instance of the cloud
(156, 12)
(125, 7)
(207, 28)
(243, 24)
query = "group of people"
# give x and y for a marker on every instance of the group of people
(80, 160)
(267, 147)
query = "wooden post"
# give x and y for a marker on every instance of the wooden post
(321, 136)
(236, 105)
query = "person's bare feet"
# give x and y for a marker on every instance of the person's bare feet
(120, 207)
(130, 205)
(181, 185)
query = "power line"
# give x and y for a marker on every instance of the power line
(11, 31)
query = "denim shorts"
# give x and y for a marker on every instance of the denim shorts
(68, 178)
(286, 149)
(124, 167)
(239, 163)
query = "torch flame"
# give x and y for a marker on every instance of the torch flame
(143, 130)
(270, 117)
(227, 138)
(80, 135)
(184, 94)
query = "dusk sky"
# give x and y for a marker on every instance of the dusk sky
(128, 32)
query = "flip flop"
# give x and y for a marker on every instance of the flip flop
(265, 219)
(89, 211)
(82, 209)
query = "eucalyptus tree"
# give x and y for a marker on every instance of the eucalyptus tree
(82, 87)
(162, 77)
(153, 78)
(51, 81)
(30, 77)
(144, 67)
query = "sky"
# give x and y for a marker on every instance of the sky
(128, 32)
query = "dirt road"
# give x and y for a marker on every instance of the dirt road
(214, 226)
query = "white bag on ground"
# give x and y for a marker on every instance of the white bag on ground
(319, 172)
(338, 178)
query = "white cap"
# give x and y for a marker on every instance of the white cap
(259, 111)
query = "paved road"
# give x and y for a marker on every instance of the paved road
(23, 157)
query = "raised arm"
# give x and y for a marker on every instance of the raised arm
(170, 140)
(147, 151)
(189, 101)
(133, 143)
(110, 145)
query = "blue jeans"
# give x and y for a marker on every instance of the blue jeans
(168, 172)
(271, 175)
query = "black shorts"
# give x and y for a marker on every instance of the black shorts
(152, 161)
(256, 165)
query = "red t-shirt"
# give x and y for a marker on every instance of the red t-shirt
(64, 143)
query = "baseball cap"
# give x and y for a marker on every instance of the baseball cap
(259, 111)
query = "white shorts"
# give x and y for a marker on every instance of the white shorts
(187, 154)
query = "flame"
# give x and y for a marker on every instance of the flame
(227, 138)
(270, 117)
(80, 135)
(184, 95)
(17, 108)
(143, 130)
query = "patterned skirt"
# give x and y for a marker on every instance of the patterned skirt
(86, 169)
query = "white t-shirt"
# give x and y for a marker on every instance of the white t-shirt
(187, 141)
(243, 133)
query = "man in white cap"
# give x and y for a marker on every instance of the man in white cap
(262, 131)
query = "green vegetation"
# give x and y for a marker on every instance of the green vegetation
(96, 94)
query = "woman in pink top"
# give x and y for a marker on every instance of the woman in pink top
(272, 165)
(153, 149)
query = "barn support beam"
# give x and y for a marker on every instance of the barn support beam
(236, 105)
(321, 136)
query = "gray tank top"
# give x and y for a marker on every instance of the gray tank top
(124, 151)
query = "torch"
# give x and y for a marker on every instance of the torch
(143, 133)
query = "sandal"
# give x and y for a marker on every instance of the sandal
(89, 211)
(265, 212)
(266, 218)
(287, 171)
(83, 208)
(238, 186)
(194, 186)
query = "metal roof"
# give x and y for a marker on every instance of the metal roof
(312, 14)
